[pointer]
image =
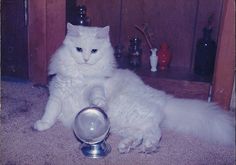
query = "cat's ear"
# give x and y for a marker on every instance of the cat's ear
(69, 26)
(72, 30)
(103, 33)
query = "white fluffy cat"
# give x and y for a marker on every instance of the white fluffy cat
(86, 74)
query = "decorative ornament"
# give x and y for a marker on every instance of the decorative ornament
(154, 59)
(164, 56)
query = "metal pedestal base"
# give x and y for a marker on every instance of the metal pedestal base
(98, 150)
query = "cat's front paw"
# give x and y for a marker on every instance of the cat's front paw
(99, 101)
(41, 125)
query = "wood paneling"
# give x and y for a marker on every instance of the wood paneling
(177, 22)
(171, 22)
(103, 13)
(225, 63)
(37, 41)
(46, 32)
(55, 25)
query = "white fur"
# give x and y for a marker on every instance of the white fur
(136, 111)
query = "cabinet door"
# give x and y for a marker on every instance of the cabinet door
(14, 38)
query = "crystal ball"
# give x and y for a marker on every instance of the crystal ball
(91, 125)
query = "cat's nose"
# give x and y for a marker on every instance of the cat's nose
(86, 58)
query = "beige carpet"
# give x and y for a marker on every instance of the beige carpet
(22, 104)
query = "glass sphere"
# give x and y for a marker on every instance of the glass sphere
(91, 125)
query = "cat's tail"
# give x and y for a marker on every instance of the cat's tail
(202, 119)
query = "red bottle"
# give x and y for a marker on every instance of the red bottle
(164, 56)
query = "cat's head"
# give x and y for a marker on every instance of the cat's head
(87, 45)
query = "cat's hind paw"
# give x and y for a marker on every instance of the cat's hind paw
(41, 125)
(128, 144)
(149, 146)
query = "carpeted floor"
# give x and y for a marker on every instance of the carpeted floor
(22, 104)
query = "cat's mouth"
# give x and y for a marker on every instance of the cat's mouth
(86, 63)
(90, 62)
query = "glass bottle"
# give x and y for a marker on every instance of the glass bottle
(119, 56)
(81, 18)
(205, 54)
(135, 52)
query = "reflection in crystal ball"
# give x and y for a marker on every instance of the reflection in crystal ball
(91, 125)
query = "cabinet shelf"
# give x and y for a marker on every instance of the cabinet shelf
(177, 81)
(175, 73)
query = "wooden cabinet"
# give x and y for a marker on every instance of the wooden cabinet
(225, 62)
(14, 59)
(179, 23)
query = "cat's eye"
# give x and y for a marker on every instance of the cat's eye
(94, 50)
(79, 49)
